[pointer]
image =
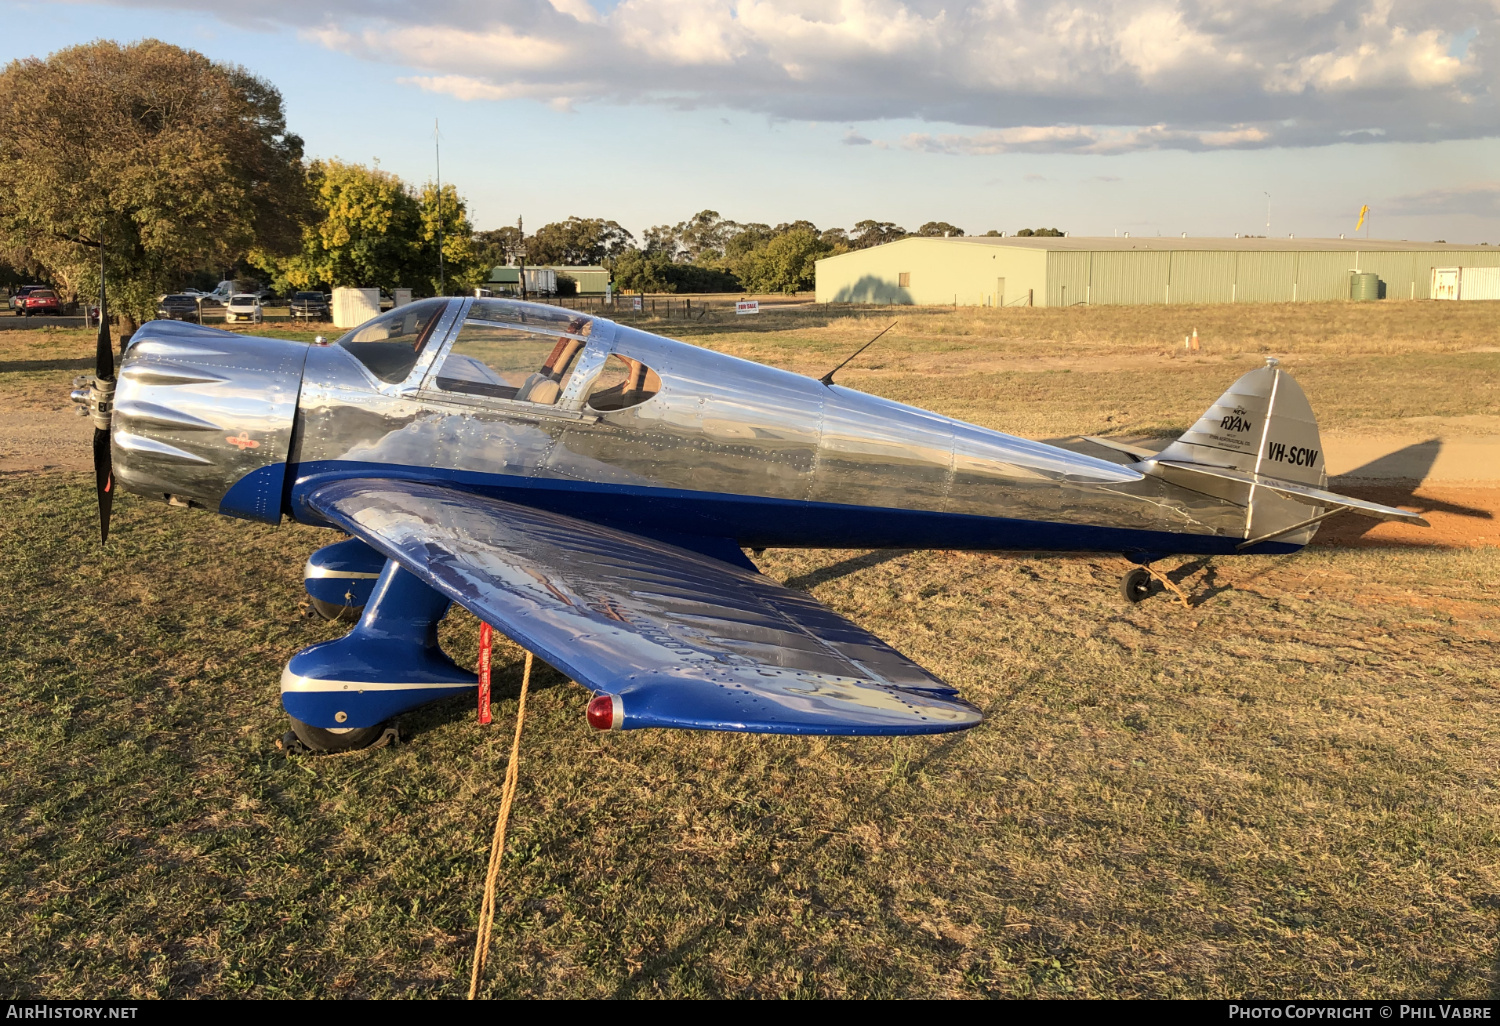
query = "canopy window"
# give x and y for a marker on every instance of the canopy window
(622, 383)
(509, 363)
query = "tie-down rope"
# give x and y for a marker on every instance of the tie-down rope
(497, 843)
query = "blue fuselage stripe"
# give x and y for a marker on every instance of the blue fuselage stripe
(759, 522)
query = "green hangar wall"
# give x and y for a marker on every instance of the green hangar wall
(1071, 271)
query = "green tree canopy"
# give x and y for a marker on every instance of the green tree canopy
(1027, 233)
(787, 263)
(461, 267)
(643, 271)
(578, 240)
(170, 160)
(875, 233)
(371, 230)
(940, 230)
(496, 247)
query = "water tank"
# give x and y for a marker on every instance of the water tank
(1364, 286)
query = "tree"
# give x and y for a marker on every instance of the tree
(787, 263)
(497, 246)
(704, 235)
(461, 266)
(1026, 233)
(940, 230)
(662, 240)
(372, 230)
(643, 271)
(366, 232)
(578, 240)
(875, 233)
(169, 160)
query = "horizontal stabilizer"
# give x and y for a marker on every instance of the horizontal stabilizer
(1294, 490)
(1133, 451)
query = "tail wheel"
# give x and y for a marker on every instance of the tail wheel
(1136, 585)
(318, 739)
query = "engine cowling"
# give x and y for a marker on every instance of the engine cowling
(204, 417)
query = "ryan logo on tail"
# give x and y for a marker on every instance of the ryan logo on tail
(590, 490)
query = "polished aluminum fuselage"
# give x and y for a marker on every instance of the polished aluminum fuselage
(726, 450)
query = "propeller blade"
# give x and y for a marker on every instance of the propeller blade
(104, 388)
(104, 481)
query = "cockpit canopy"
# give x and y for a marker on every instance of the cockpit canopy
(521, 352)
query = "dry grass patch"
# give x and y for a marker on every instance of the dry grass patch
(1287, 790)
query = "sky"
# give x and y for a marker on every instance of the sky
(1147, 116)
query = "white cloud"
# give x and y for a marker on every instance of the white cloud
(1086, 139)
(1472, 201)
(1027, 75)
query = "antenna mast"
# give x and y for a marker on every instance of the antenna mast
(437, 151)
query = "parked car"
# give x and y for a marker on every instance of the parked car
(41, 301)
(244, 307)
(310, 305)
(21, 293)
(226, 290)
(180, 307)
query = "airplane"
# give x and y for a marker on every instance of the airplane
(589, 490)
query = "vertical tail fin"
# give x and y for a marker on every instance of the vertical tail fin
(1261, 425)
(1258, 447)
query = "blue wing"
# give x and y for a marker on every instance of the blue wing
(683, 640)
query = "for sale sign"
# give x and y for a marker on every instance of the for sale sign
(747, 306)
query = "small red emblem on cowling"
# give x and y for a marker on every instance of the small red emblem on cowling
(244, 441)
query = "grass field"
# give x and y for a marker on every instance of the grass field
(1287, 790)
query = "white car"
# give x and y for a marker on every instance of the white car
(244, 306)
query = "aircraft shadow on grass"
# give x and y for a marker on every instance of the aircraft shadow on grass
(1398, 477)
(22, 366)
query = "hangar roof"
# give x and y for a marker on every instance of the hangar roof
(1077, 243)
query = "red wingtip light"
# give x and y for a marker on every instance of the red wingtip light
(603, 712)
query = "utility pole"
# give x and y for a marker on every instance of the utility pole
(437, 151)
(521, 252)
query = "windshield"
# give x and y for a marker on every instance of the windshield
(389, 344)
(309, 295)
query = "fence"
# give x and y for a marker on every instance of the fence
(673, 307)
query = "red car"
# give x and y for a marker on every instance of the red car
(42, 301)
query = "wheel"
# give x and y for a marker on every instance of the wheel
(336, 613)
(1136, 584)
(320, 740)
